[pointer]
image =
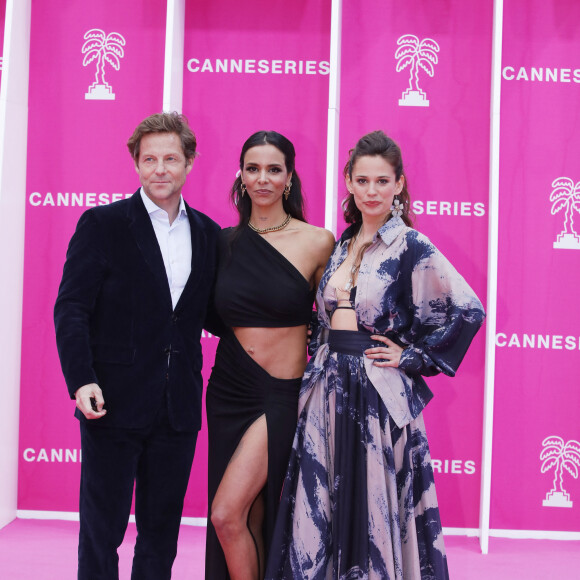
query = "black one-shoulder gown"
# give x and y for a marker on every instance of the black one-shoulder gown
(256, 287)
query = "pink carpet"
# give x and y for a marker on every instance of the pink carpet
(46, 550)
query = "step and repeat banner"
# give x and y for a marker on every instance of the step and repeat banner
(248, 68)
(96, 71)
(420, 71)
(536, 452)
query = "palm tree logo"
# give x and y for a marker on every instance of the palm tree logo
(560, 456)
(104, 48)
(416, 54)
(566, 195)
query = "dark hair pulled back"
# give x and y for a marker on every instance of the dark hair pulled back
(377, 144)
(294, 205)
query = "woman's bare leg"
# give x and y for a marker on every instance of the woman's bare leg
(238, 507)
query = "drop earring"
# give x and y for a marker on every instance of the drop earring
(397, 207)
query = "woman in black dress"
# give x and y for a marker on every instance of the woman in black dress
(270, 266)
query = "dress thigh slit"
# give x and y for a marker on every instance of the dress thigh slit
(239, 392)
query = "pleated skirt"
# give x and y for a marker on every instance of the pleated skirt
(359, 497)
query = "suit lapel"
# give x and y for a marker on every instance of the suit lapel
(142, 230)
(198, 256)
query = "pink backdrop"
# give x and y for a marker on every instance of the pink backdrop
(76, 158)
(77, 148)
(249, 68)
(445, 149)
(243, 74)
(536, 393)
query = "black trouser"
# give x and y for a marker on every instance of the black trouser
(157, 459)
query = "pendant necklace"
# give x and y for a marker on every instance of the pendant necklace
(354, 268)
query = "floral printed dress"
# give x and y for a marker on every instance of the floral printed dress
(359, 497)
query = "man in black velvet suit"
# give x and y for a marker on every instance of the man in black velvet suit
(129, 314)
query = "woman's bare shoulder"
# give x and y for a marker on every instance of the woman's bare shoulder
(317, 238)
(322, 235)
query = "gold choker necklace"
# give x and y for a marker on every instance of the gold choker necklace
(273, 228)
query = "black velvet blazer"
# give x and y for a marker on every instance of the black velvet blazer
(115, 324)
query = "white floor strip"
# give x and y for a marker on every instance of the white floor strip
(473, 532)
(74, 517)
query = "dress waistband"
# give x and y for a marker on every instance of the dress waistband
(353, 342)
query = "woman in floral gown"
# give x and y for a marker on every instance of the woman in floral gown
(359, 497)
